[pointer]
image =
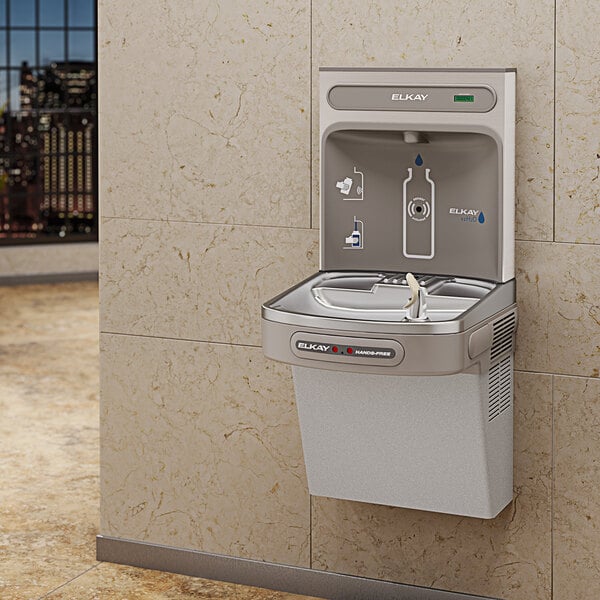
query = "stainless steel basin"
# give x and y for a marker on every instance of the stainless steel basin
(384, 296)
(372, 301)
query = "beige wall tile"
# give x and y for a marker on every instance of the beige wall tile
(576, 498)
(558, 286)
(506, 557)
(205, 111)
(457, 34)
(577, 121)
(193, 281)
(201, 449)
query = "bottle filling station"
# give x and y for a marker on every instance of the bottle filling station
(402, 344)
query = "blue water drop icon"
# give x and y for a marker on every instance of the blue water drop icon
(419, 160)
(481, 218)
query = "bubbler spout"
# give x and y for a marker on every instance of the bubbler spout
(417, 303)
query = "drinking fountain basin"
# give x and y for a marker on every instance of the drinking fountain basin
(375, 301)
(385, 296)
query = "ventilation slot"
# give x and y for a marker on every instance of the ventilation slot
(500, 388)
(504, 330)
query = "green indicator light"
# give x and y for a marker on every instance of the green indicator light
(460, 98)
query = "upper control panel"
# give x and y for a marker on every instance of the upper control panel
(417, 171)
(440, 98)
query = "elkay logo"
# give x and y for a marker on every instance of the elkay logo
(468, 214)
(409, 97)
(312, 347)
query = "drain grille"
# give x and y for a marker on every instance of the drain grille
(500, 387)
(502, 340)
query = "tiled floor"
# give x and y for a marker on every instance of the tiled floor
(49, 458)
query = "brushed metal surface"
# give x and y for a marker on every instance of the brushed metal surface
(294, 580)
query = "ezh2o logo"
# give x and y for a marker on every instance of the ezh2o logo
(468, 215)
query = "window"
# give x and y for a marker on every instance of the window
(48, 116)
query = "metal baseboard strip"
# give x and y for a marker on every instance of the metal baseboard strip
(48, 278)
(293, 580)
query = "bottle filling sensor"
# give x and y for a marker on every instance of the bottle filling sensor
(402, 345)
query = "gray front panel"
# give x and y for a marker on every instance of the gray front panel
(427, 207)
(417, 442)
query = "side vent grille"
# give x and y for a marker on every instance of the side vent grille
(502, 340)
(500, 388)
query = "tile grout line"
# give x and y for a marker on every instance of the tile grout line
(310, 37)
(300, 228)
(311, 228)
(518, 240)
(552, 489)
(554, 133)
(310, 531)
(220, 343)
(213, 223)
(555, 374)
(552, 381)
(175, 339)
(62, 585)
(310, 108)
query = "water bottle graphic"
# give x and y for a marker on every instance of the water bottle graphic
(418, 218)
(355, 241)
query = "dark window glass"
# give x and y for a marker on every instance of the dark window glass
(2, 47)
(22, 13)
(81, 13)
(81, 45)
(22, 47)
(48, 174)
(52, 13)
(52, 47)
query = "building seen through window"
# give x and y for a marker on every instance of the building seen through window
(48, 91)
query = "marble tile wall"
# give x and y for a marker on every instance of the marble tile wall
(577, 122)
(206, 119)
(205, 201)
(576, 498)
(197, 281)
(209, 163)
(201, 449)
